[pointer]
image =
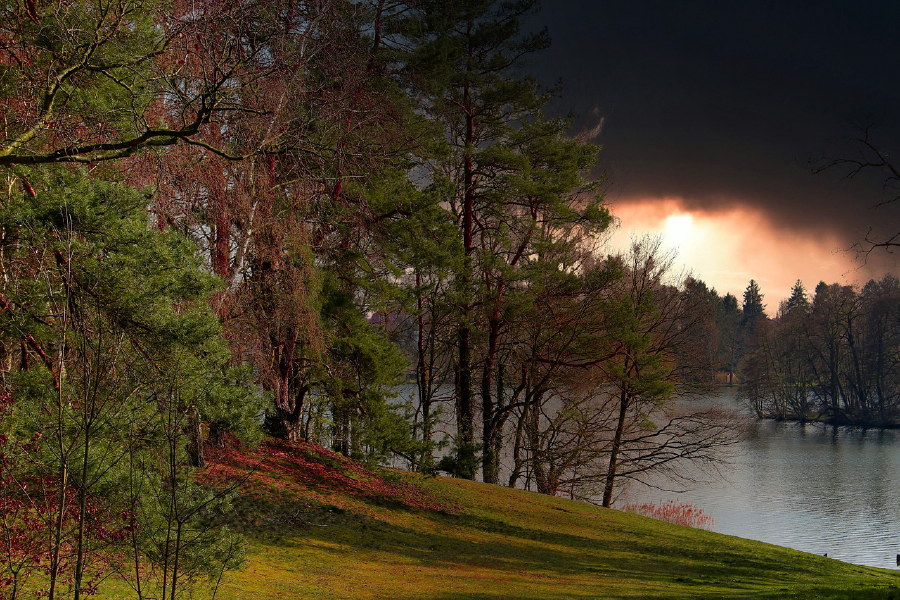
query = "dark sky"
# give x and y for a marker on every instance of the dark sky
(724, 103)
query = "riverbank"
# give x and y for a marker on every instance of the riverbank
(842, 420)
(321, 526)
(841, 417)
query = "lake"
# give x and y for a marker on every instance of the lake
(813, 487)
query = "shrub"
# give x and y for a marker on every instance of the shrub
(673, 512)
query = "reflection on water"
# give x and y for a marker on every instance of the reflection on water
(812, 487)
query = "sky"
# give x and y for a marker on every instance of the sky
(712, 114)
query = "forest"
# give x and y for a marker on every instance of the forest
(830, 358)
(353, 223)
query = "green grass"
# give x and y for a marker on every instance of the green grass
(313, 539)
(320, 526)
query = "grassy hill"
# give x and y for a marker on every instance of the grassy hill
(322, 526)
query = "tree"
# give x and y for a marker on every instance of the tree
(553, 335)
(797, 300)
(463, 67)
(111, 353)
(833, 360)
(618, 354)
(656, 356)
(97, 81)
(828, 346)
(512, 173)
(753, 307)
(728, 319)
(280, 225)
(881, 308)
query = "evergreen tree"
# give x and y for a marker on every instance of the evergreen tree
(729, 303)
(464, 68)
(797, 300)
(516, 181)
(753, 307)
(113, 358)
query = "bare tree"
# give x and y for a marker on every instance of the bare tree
(867, 158)
(654, 365)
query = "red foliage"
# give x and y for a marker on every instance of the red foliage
(279, 466)
(673, 512)
(29, 509)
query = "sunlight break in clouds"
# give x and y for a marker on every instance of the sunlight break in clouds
(726, 248)
(679, 231)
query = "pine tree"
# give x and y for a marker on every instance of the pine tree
(798, 301)
(753, 307)
(514, 178)
(113, 358)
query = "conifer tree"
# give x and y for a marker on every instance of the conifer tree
(112, 357)
(515, 180)
(753, 307)
(798, 300)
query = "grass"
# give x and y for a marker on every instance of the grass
(322, 527)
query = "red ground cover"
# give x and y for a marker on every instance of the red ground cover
(278, 468)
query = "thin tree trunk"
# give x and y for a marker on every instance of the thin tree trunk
(517, 449)
(177, 556)
(195, 439)
(465, 414)
(614, 452)
(220, 247)
(488, 457)
(82, 511)
(423, 379)
(57, 530)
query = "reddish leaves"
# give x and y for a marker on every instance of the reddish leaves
(673, 512)
(30, 509)
(308, 469)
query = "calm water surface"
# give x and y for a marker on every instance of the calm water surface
(813, 487)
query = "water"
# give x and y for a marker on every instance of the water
(813, 487)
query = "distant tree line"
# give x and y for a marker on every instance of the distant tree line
(833, 357)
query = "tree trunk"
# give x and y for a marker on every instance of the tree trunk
(220, 248)
(423, 380)
(614, 452)
(489, 458)
(517, 444)
(284, 422)
(465, 415)
(195, 437)
(465, 418)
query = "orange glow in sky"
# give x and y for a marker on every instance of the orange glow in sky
(726, 248)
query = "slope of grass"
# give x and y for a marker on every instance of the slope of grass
(321, 526)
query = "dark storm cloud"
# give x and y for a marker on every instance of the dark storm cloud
(724, 103)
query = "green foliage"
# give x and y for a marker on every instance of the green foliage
(86, 69)
(365, 367)
(121, 358)
(798, 300)
(753, 307)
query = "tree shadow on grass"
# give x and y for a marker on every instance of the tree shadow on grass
(277, 511)
(468, 542)
(776, 594)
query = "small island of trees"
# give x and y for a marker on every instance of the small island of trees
(830, 358)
